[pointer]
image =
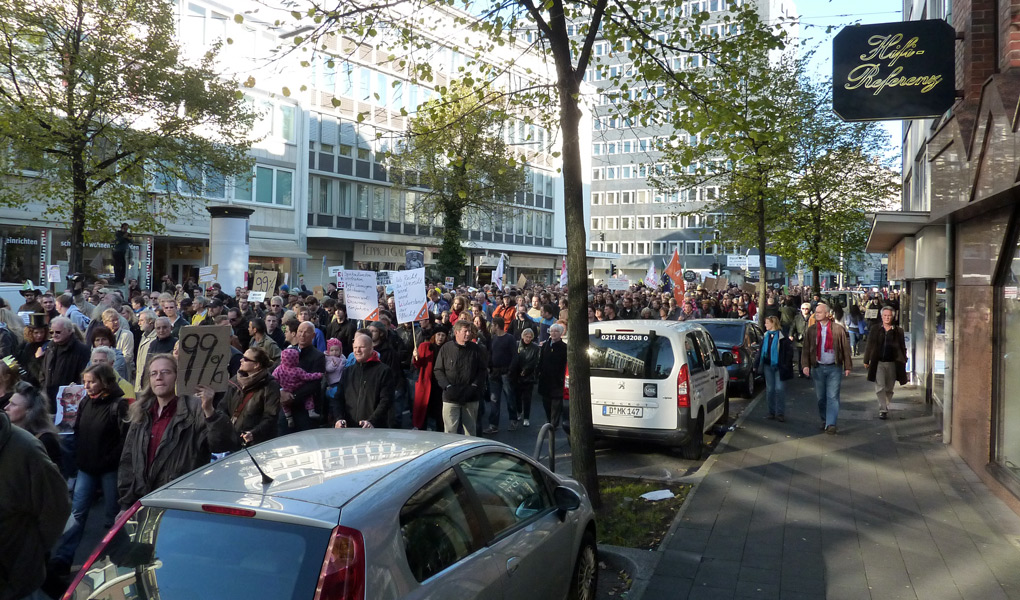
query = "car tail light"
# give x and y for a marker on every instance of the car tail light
(100, 548)
(683, 384)
(228, 510)
(566, 383)
(343, 570)
(736, 355)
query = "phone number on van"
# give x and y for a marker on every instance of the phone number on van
(623, 337)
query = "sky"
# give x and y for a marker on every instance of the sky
(817, 15)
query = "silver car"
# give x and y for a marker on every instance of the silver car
(354, 514)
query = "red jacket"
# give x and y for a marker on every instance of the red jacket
(425, 362)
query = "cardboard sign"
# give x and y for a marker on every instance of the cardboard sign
(748, 288)
(203, 357)
(68, 399)
(522, 281)
(409, 295)
(256, 296)
(264, 281)
(318, 292)
(709, 283)
(208, 274)
(53, 274)
(334, 271)
(618, 284)
(361, 295)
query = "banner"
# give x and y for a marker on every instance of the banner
(409, 295)
(264, 281)
(651, 277)
(674, 270)
(563, 274)
(361, 295)
(497, 275)
(203, 357)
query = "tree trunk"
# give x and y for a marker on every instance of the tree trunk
(451, 256)
(76, 259)
(582, 433)
(816, 245)
(762, 284)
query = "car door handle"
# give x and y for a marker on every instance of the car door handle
(512, 564)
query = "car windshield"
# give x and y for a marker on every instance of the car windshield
(176, 554)
(630, 356)
(725, 334)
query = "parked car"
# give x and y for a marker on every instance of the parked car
(742, 338)
(656, 381)
(354, 514)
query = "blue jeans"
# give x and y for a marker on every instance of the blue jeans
(85, 488)
(828, 379)
(499, 388)
(855, 338)
(774, 390)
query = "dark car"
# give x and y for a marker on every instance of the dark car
(743, 339)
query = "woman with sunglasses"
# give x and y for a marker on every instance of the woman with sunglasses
(247, 414)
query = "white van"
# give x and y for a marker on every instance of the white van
(656, 381)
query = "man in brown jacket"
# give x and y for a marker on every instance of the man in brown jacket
(826, 359)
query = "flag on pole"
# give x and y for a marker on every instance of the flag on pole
(651, 277)
(497, 275)
(563, 273)
(675, 271)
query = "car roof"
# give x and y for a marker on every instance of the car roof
(642, 324)
(721, 321)
(322, 466)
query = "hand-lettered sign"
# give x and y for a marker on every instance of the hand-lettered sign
(264, 281)
(202, 358)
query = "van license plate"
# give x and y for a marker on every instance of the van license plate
(623, 411)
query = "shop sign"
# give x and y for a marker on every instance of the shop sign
(21, 242)
(736, 261)
(388, 253)
(901, 70)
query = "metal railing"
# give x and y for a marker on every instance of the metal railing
(549, 431)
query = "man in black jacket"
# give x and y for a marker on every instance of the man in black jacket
(64, 360)
(552, 372)
(461, 372)
(341, 328)
(368, 389)
(312, 361)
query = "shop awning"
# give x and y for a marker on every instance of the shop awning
(888, 228)
(275, 248)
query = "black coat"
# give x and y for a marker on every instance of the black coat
(257, 416)
(63, 365)
(99, 432)
(368, 393)
(873, 352)
(524, 367)
(461, 372)
(552, 369)
(312, 361)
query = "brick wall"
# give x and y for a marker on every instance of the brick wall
(1009, 34)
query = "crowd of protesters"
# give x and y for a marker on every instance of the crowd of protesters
(299, 362)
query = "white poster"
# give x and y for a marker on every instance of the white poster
(409, 295)
(361, 295)
(53, 274)
(334, 271)
(618, 284)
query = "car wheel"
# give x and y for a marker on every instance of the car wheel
(692, 449)
(584, 582)
(749, 384)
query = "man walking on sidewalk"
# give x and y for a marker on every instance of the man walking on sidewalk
(885, 358)
(826, 358)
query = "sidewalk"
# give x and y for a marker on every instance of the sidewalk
(882, 510)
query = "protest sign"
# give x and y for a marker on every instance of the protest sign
(264, 281)
(208, 274)
(748, 288)
(409, 295)
(340, 279)
(618, 284)
(334, 271)
(203, 357)
(522, 281)
(256, 296)
(449, 282)
(414, 259)
(361, 295)
(384, 278)
(318, 292)
(68, 399)
(53, 274)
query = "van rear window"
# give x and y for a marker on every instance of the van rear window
(630, 356)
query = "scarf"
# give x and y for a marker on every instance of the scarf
(772, 346)
(828, 338)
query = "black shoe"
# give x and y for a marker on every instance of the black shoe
(883, 414)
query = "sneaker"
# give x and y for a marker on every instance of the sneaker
(883, 414)
(290, 421)
(831, 430)
(781, 418)
(527, 423)
(313, 414)
(491, 429)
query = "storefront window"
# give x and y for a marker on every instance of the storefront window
(939, 347)
(98, 256)
(19, 254)
(1008, 455)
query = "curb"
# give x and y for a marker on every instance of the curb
(639, 564)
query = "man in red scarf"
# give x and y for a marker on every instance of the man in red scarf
(826, 359)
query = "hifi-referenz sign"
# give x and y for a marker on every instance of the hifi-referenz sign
(902, 70)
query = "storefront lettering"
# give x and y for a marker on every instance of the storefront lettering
(136, 248)
(22, 241)
(888, 48)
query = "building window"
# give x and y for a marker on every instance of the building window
(626, 222)
(626, 197)
(274, 186)
(611, 223)
(612, 197)
(361, 211)
(642, 196)
(596, 198)
(596, 223)
(642, 222)
(1008, 388)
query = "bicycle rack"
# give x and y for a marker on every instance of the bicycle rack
(549, 431)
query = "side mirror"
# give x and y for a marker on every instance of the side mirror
(566, 500)
(727, 359)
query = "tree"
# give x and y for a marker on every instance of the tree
(565, 33)
(745, 147)
(97, 103)
(841, 176)
(454, 150)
